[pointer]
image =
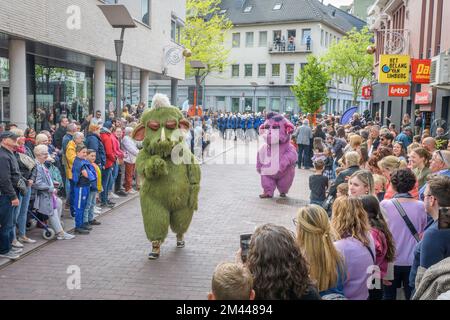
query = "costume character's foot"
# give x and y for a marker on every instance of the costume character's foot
(180, 242)
(156, 250)
(265, 196)
(283, 195)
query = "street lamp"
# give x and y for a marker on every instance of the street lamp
(119, 18)
(197, 65)
(255, 86)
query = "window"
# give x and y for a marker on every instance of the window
(275, 70)
(321, 37)
(235, 104)
(249, 39)
(289, 104)
(235, 70)
(326, 38)
(302, 66)
(248, 9)
(220, 103)
(277, 6)
(262, 104)
(248, 70)
(145, 5)
(275, 104)
(236, 40)
(290, 73)
(305, 34)
(276, 35)
(261, 70)
(263, 38)
(248, 104)
(175, 31)
(292, 33)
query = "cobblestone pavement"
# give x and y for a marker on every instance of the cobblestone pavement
(113, 258)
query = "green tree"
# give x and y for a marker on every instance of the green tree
(349, 58)
(204, 35)
(310, 87)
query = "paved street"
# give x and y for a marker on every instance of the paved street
(113, 259)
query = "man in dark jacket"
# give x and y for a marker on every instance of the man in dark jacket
(9, 178)
(60, 133)
(94, 142)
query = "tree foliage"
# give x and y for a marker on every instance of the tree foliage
(349, 58)
(204, 35)
(310, 87)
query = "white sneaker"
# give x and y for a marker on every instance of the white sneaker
(65, 236)
(10, 255)
(97, 209)
(17, 244)
(16, 250)
(114, 196)
(26, 240)
(132, 191)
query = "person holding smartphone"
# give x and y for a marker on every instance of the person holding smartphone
(435, 243)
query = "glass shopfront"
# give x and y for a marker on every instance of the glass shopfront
(4, 90)
(60, 92)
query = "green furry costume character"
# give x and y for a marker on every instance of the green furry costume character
(170, 187)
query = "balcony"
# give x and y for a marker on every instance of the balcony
(283, 46)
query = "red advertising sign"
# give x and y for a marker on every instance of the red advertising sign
(421, 70)
(396, 90)
(366, 92)
(423, 98)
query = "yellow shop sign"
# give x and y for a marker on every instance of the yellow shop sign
(394, 68)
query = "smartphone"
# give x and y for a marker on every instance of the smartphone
(444, 218)
(245, 245)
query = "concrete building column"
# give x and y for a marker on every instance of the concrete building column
(99, 86)
(144, 86)
(174, 91)
(18, 82)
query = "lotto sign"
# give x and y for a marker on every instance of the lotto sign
(394, 68)
(421, 70)
(367, 92)
(399, 90)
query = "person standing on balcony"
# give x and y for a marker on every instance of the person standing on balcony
(308, 43)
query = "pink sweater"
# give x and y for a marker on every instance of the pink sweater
(116, 147)
(380, 250)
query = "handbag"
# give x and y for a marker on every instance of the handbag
(405, 217)
(22, 187)
(27, 161)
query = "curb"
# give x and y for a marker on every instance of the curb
(48, 242)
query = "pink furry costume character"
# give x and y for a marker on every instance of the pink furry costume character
(277, 157)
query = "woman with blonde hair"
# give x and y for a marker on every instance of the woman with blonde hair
(351, 229)
(314, 238)
(388, 165)
(361, 183)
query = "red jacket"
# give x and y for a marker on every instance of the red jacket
(109, 149)
(116, 145)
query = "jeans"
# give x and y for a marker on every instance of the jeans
(6, 224)
(23, 214)
(106, 177)
(115, 174)
(69, 196)
(16, 212)
(401, 276)
(89, 210)
(303, 156)
(81, 195)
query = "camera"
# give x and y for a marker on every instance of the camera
(245, 245)
(444, 218)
